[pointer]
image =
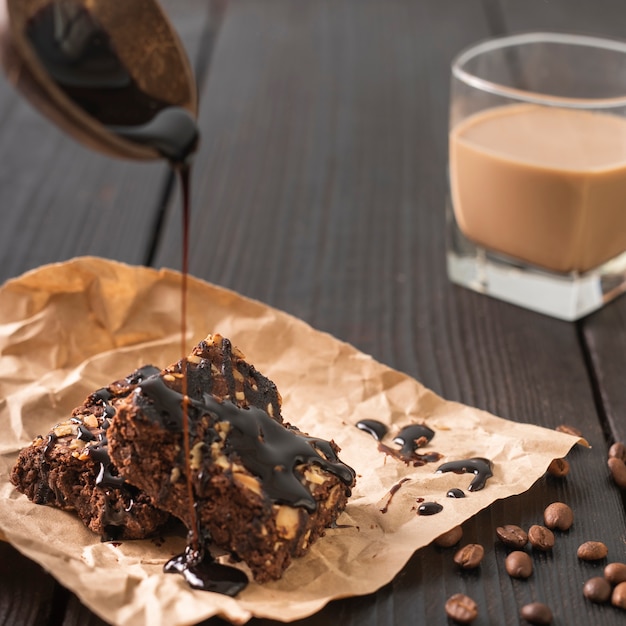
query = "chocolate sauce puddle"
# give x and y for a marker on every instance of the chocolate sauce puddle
(455, 492)
(410, 438)
(79, 56)
(376, 429)
(480, 467)
(204, 573)
(429, 508)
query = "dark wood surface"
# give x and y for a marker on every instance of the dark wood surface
(319, 188)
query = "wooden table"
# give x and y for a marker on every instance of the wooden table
(319, 188)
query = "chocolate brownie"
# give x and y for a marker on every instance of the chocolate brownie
(70, 469)
(260, 489)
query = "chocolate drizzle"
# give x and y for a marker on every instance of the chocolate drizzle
(108, 477)
(410, 456)
(392, 493)
(480, 467)
(265, 447)
(376, 429)
(429, 508)
(410, 438)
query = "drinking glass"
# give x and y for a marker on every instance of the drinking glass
(536, 209)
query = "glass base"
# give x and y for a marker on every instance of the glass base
(564, 296)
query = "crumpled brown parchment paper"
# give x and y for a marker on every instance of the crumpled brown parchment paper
(67, 329)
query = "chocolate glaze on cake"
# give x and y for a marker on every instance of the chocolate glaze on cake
(262, 490)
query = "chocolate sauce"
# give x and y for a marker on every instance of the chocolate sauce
(84, 434)
(79, 56)
(202, 572)
(481, 468)
(107, 477)
(455, 493)
(409, 455)
(376, 429)
(266, 448)
(392, 493)
(412, 437)
(429, 508)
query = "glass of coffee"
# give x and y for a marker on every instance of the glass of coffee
(537, 171)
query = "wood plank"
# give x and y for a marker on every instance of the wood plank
(59, 199)
(27, 593)
(604, 334)
(604, 18)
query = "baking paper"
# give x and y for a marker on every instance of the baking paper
(68, 329)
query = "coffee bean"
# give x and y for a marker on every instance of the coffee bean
(597, 589)
(558, 515)
(558, 468)
(518, 564)
(615, 573)
(618, 471)
(469, 556)
(619, 596)
(461, 608)
(592, 551)
(541, 538)
(618, 451)
(512, 535)
(451, 538)
(536, 613)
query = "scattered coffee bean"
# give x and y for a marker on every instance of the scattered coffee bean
(597, 589)
(461, 608)
(469, 556)
(558, 468)
(536, 613)
(512, 535)
(618, 471)
(518, 564)
(615, 573)
(451, 538)
(570, 430)
(592, 551)
(541, 538)
(558, 515)
(618, 451)
(619, 596)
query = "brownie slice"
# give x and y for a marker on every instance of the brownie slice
(70, 469)
(260, 488)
